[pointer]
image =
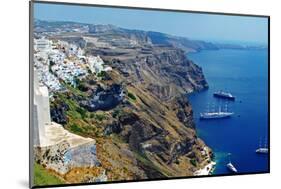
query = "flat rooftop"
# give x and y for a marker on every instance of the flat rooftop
(55, 133)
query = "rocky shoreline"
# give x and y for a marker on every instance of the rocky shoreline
(207, 170)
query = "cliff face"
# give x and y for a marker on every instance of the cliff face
(163, 70)
(157, 126)
(150, 132)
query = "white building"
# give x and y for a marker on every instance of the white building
(95, 64)
(80, 52)
(42, 44)
(72, 50)
(107, 69)
(41, 111)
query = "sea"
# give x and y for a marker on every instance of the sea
(244, 73)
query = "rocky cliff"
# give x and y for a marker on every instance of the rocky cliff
(158, 124)
(148, 130)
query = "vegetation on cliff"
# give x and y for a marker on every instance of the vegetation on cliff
(143, 136)
(44, 177)
(138, 112)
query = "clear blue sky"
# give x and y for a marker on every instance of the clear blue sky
(192, 25)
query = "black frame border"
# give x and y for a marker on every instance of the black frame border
(31, 53)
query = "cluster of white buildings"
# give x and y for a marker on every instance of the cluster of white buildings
(42, 65)
(60, 60)
(68, 71)
(53, 62)
(96, 64)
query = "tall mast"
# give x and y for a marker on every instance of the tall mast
(265, 143)
(229, 154)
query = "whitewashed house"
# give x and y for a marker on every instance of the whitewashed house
(95, 64)
(42, 44)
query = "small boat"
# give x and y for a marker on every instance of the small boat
(230, 166)
(222, 94)
(262, 150)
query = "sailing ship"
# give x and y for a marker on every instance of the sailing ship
(262, 150)
(216, 115)
(230, 166)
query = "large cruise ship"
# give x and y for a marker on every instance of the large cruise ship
(226, 95)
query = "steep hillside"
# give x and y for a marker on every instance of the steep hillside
(137, 113)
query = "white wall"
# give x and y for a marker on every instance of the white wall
(14, 92)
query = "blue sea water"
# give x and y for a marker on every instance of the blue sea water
(244, 73)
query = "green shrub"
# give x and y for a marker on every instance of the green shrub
(98, 116)
(75, 129)
(82, 112)
(116, 113)
(193, 162)
(101, 74)
(43, 177)
(131, 96)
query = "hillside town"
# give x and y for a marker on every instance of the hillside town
(59, 61)
(56, 64)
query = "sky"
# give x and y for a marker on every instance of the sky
(209, 27)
